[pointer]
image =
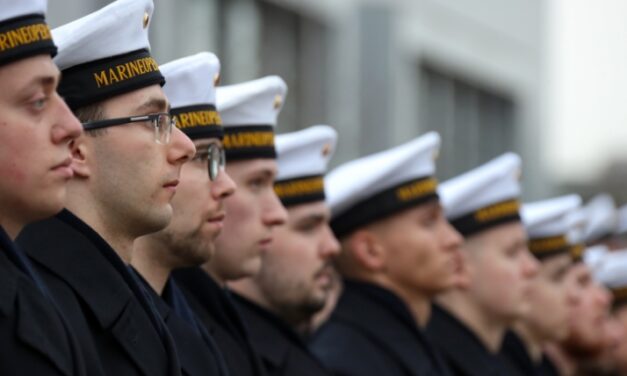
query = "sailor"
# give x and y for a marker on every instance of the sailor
(296, 272)
(249, 113)
(37, 128)
(469, 322)
(551, 298)
(198, 211)
(398, 252)
(126, 168)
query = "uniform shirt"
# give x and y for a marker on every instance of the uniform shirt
(461, 348)
(196, 356)
(282, 351)
(35, 337)
(214, 307)
(372, 332)
(515, 353)
(116, 327)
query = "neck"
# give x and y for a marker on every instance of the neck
(207, 267)
(566, 365)
(489, 329)
(82, 205)
(531, 342)
(148, 262)
(419, 304)
(12, 228)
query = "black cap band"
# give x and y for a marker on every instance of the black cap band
(619, 295)
(392, 200)
(98, 80)
(485, 218)
(576, 252)
(199, 121)
(543, 248)
(249, 142)
(300, 190)
(24, 37)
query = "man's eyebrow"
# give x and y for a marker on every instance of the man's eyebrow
(42, 80)
(158, 104)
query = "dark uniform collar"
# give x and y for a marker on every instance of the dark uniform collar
(461, 347)
(362, 304)
(515, 353)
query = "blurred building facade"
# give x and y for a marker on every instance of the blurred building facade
(380, 71)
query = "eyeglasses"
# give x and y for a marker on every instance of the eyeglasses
(213, 154)
(161, 122)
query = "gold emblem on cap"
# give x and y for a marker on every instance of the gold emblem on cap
(146, 19)
(216, 79)
(326, 150)
(278, 101)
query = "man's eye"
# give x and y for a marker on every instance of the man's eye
(39, 104)
(200, 157)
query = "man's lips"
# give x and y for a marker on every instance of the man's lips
(64, 167)
(217, 218)
(171, 184)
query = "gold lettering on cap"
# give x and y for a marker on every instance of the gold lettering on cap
(198, 119)
(126, 71)
(417, 189)
(300, 187)
(24, 35)
(248, 139)
(497, 211)
(548, 244)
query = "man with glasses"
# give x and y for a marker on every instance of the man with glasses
(198, 211)
(36, 130)
(249, 113)
(126, 170)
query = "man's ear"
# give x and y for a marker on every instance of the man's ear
(367, 250)
(80, 153)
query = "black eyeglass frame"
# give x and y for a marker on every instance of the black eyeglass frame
(153, 118)
(216, 158)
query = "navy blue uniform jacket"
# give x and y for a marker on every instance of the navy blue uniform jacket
(35, 338)
(214, 307)
(371, 333)
(116, 329)
(282, 351)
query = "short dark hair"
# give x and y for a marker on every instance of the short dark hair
(92, 112)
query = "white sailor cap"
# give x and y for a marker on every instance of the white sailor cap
(367, 189)
(302, 159)
(106, 53)
(621, 220)
(485, 196)
(577, 221)
(601, 217)
(23, 30)
(612, 272)
(548, 226)
(593, 257)
(249, 112)
(190, 88)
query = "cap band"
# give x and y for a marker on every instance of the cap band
(199, 121)
(388, 202)
(249, 142)
(493, 215)
(24, 37)
(546, 247)
(620, 295)
(576, 252)
(300, 190)
(98, 80)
